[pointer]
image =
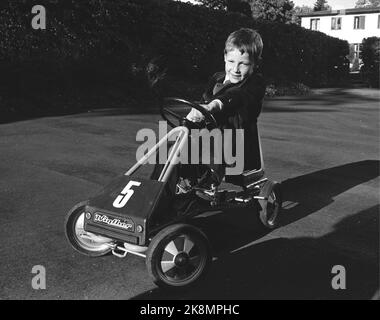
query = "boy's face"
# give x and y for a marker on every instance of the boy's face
(238, 66)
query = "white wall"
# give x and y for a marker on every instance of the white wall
(347, 32)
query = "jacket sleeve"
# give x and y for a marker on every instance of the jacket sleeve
(207, 95)
(248, 96)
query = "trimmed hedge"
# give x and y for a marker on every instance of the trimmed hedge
(371, 55)
(121, 42)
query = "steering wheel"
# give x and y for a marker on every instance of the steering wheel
(165, 109)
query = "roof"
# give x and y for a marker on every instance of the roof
(341, 12)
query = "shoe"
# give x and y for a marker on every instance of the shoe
(183, 186)
(208, 179)
(208, 194)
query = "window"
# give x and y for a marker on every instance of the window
(336, 23)
(357, 50)
(359, 22)
(314, 24)
(355, 57)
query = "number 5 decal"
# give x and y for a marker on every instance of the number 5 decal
(122, 199)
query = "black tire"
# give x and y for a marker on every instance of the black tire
(178, 256)
(74, 226)
(270, 208)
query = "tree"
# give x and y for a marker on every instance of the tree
(321, 5)
(240, 6)
(367, 4)
(214, 4)
(297, 11)
(371, 61)
(273, 10)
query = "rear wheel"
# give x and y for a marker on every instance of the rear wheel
(178, 256)
(82, 241)
(270, 206)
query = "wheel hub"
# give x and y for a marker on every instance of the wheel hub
(181, 259)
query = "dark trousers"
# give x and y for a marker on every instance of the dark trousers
(192, 172)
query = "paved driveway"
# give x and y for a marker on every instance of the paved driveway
(323, 148)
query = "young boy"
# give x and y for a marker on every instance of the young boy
(235, 95)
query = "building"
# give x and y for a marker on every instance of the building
(352, 25)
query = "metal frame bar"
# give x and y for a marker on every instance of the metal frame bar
(256, 183)
(262, 166)
(173, 159)
(125, 252)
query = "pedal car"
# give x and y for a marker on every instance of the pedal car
(139, 216)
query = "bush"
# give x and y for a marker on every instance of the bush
(371, 57)
(122, 43)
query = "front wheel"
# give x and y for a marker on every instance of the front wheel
(178, 256)
(270, 204)
(82, 241)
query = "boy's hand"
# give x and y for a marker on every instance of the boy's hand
(213, 106)
(195, 116)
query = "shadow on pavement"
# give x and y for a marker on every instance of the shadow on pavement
(298, 268)
(311, 192)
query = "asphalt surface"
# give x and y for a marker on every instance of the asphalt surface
(323, 148)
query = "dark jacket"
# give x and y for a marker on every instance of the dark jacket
(242, 104)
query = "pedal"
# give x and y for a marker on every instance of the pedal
(120, 252)
(209, 195)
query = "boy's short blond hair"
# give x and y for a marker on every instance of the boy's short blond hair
(247, 41)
